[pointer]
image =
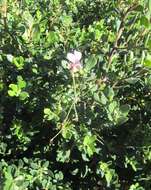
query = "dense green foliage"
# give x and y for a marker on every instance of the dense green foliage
(82, 131)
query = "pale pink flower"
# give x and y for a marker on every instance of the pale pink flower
(74, 59)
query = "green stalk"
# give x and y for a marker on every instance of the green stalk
(75, 96)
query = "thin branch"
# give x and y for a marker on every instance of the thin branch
(139, 74)
(119, 34)
(4, 10)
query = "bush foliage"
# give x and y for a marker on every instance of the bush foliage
(87, 130)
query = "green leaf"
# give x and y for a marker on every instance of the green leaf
(34, 165)
(14, 87)
(25, 160)
(112, 106)
(11, 93)
(132, 80)
(121, 119)
(98, 34)
(90, 63)
(149, 43)
(28, 18)
(21, 83)
(147, 61)
(96, 97)
(49, 115)
(144, 21)
(66, 20)
(89, 143)
(125, 109)
(52, 37)
(36, 32)
(47, 111)
(19, 180)
(107, 172)
(67, 130)
(18, 62)
(108, 177)
(136, 186)
(59, 175)
(149, 6)
(46, 164)
(63, 155)
(23, 95)
(109, 92)
(103, 99)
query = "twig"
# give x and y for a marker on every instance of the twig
(4, 10)
(119, 34)
(139, 74)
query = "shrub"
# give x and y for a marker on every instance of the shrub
(83, 128)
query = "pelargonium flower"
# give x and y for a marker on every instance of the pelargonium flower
(74, 59)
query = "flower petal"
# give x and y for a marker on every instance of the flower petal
(71, 57)
(78, 55)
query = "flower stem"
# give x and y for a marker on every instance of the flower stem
(62, 124)
(75, 96)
